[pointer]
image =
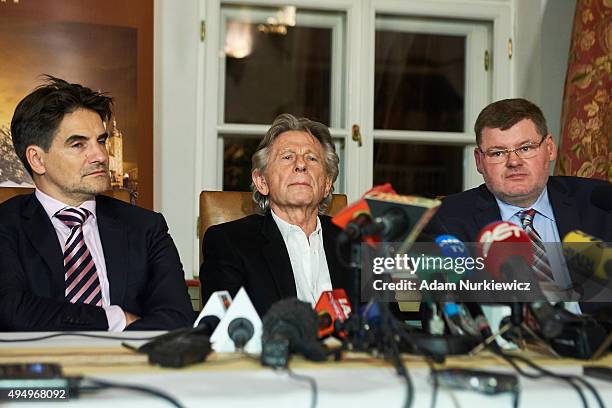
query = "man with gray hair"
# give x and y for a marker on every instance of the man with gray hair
(288, 249)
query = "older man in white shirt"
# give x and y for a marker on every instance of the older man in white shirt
(289, 248)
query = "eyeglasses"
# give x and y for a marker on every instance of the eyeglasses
(526, 151)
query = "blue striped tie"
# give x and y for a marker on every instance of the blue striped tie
(541, 265)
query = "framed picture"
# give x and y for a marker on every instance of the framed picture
(106, 45)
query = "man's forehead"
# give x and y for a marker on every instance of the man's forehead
(81, 122)
(521, 132)
(296, 139)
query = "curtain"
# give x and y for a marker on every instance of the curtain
(586, 117)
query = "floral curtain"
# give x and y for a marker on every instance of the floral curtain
(586, 118)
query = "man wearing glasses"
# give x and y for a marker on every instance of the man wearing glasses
(514, 154)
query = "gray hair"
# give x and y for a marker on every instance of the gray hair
(285, 123)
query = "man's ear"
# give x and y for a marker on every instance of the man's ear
(551, 147)
(35, 156)
(328, 185)
(478, 159)
(260, 182)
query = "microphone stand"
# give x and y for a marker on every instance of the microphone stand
(516, 267)
(355, 322)
(516, 323)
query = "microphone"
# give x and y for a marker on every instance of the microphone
(356, 216)
(550, 321)
(480, 320)
(428, 267)
(399, 217)
(240, 315)
(206, 325)
(240, 330)
(451, 246)
(217, 305)
(501, 244)
(601, 197)
(473, 321)
(355, 229)
(290, 326)
(332, 306)
(389, 226)
(587, 256)
(508, 253)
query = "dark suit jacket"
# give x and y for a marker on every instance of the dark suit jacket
(144, 271)
(250, 252)
(465, 214)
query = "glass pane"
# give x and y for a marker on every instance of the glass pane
(419, 169)
(273, 68)
(419, 81)
(237, 153)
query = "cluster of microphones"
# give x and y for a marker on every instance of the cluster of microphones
(450, 327)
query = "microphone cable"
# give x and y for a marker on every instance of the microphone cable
(389, 343)
(89, 384)
(403, 333)
(78, 334)
(314, 389)
(308, 379)
(541, 372)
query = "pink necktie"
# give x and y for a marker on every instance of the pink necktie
(82, 283)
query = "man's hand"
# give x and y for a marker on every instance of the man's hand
(130, 318)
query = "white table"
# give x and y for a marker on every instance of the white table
(235, 381)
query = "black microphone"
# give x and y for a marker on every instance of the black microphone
(601, 197)
(354, 230)
(240, 330)
(290, 326)
(207, 325)
(182, 347)
(549, 319)
(389, 226)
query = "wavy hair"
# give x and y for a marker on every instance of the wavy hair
(285, 123)
(38, 115)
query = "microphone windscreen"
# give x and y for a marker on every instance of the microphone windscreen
(207, 325)
(500, 241)
(297, 322)
(292, 319)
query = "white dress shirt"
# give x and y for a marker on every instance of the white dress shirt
(114, 314)
(308, 261)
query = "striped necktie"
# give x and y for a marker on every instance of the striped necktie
(541, 265)
(82, 283)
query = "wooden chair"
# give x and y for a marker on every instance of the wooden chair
(10, 192)
(217, 207)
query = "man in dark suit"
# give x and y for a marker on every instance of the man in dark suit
(465, 214)
(514, 154)
(71, 259)
(288, 249)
